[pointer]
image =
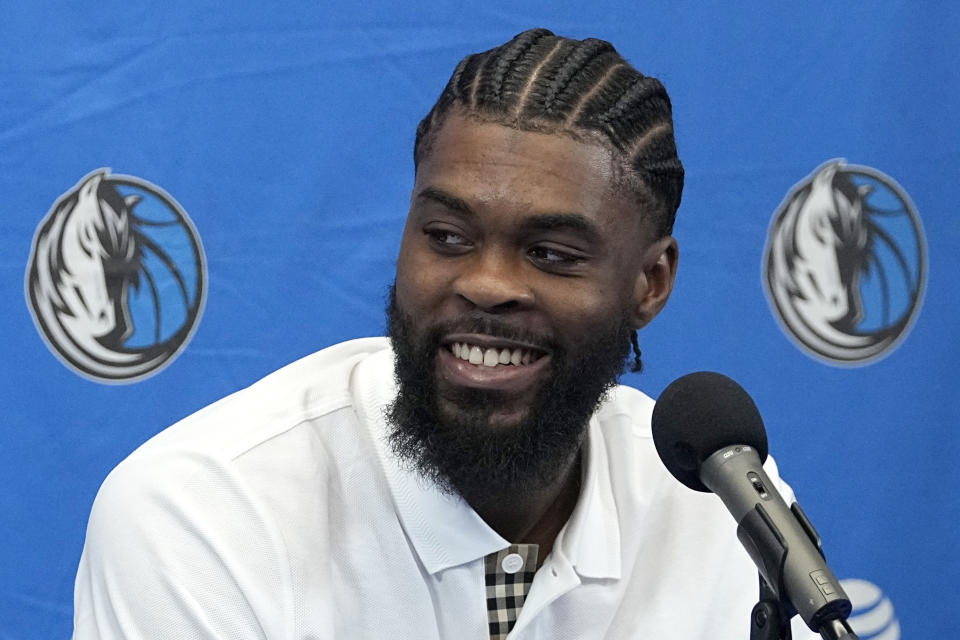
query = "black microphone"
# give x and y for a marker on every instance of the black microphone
(710, 436)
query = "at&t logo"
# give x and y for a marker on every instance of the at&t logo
(873, 617)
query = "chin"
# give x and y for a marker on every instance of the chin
(501, 418)
(507, 421)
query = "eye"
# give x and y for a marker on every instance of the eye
(821, 226)
(552, 258)
(446, 240)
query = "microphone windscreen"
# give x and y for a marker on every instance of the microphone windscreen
(699, 414)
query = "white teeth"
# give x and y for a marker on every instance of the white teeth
(490, 357)
(476, 356)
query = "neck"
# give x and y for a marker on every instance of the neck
(534, 517)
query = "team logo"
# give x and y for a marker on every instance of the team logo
(873, 617)
(845, 264)
(117, 278)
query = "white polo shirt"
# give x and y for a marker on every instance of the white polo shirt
(280, 512)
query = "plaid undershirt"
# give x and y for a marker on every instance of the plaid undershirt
(509, 574)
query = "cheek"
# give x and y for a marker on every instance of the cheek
(582, 308)
(418, 277)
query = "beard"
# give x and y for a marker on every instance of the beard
(458, 446)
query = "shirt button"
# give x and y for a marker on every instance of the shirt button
(512, 563)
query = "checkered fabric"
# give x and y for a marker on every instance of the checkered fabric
(506, 591)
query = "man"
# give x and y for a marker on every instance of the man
(480, 473)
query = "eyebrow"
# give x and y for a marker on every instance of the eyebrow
(540, 222)
(562, 222)
(451, 202)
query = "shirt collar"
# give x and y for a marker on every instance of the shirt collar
(591, 538)
(446, 532)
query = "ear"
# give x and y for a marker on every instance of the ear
(655, 280)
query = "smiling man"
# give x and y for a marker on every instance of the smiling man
(480, 473)
(525, 266)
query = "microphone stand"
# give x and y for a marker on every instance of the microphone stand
(769, 620)
(770, 617)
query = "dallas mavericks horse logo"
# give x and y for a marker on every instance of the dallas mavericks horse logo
(845, 264)
(117, 278)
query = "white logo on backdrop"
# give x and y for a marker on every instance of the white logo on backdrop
(873, 617)
(117, 278)
(845, 265)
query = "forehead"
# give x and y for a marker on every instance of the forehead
(489, 164)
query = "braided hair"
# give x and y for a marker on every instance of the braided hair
(542, 82)
(583, 88)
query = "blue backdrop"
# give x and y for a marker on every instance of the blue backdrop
(279, 138)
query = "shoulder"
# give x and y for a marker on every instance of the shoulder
(264, 438)
(246, 437)
(625, 406)
(205, 501)
(316, 385)
(625, 424)
(207, 444)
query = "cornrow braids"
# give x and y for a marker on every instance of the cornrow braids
(582, 53)
(637, 365)
(528, 95)
(511, 57)
(583, 88)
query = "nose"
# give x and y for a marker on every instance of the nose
(492, 282)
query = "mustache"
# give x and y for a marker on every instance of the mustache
(494, 326)
(430, 337)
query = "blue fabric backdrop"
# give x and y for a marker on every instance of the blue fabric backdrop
(285, 132)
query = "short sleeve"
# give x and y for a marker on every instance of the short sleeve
(178, 549)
